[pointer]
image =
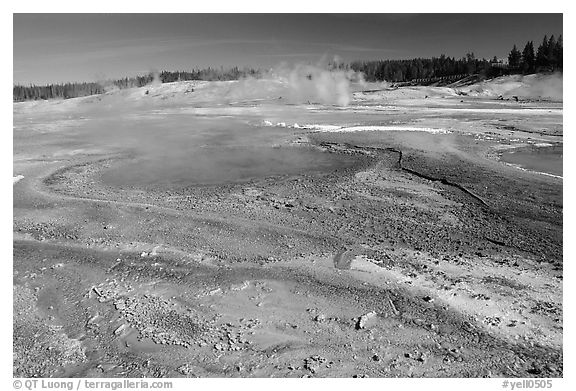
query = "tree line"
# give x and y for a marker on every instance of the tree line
(65, 91)
(73, 90)
(547, 57)
(209, 74)
(426, 68)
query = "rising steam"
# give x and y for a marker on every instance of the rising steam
(308, 83)
(299, 84)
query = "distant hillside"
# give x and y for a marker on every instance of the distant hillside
(73, 90)
(441, 70)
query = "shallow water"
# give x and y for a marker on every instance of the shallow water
(541, 159)
(178, 147)
(216, 165)
(183, 150)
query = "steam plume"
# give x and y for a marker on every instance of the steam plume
(300, 84)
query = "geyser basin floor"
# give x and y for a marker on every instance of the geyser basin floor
(458, 255)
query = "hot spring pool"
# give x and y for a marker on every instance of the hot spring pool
(205, 166)
(541, 159)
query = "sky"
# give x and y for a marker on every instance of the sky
(51, 48)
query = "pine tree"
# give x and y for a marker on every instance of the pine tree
(514, 57)
(528, 58)
(550, 52)
(541, 60)
(557, 53)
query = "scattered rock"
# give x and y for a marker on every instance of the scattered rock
(313, 363)
(418, 321)
(244, 285)
(215, 291)
(185, 369)
(480, 296)
(120, 330)
(97, 291)
(364, 319)
(92, 320)
(492, 320)
(393, 307)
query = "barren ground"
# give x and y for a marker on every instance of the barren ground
(408, 253)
